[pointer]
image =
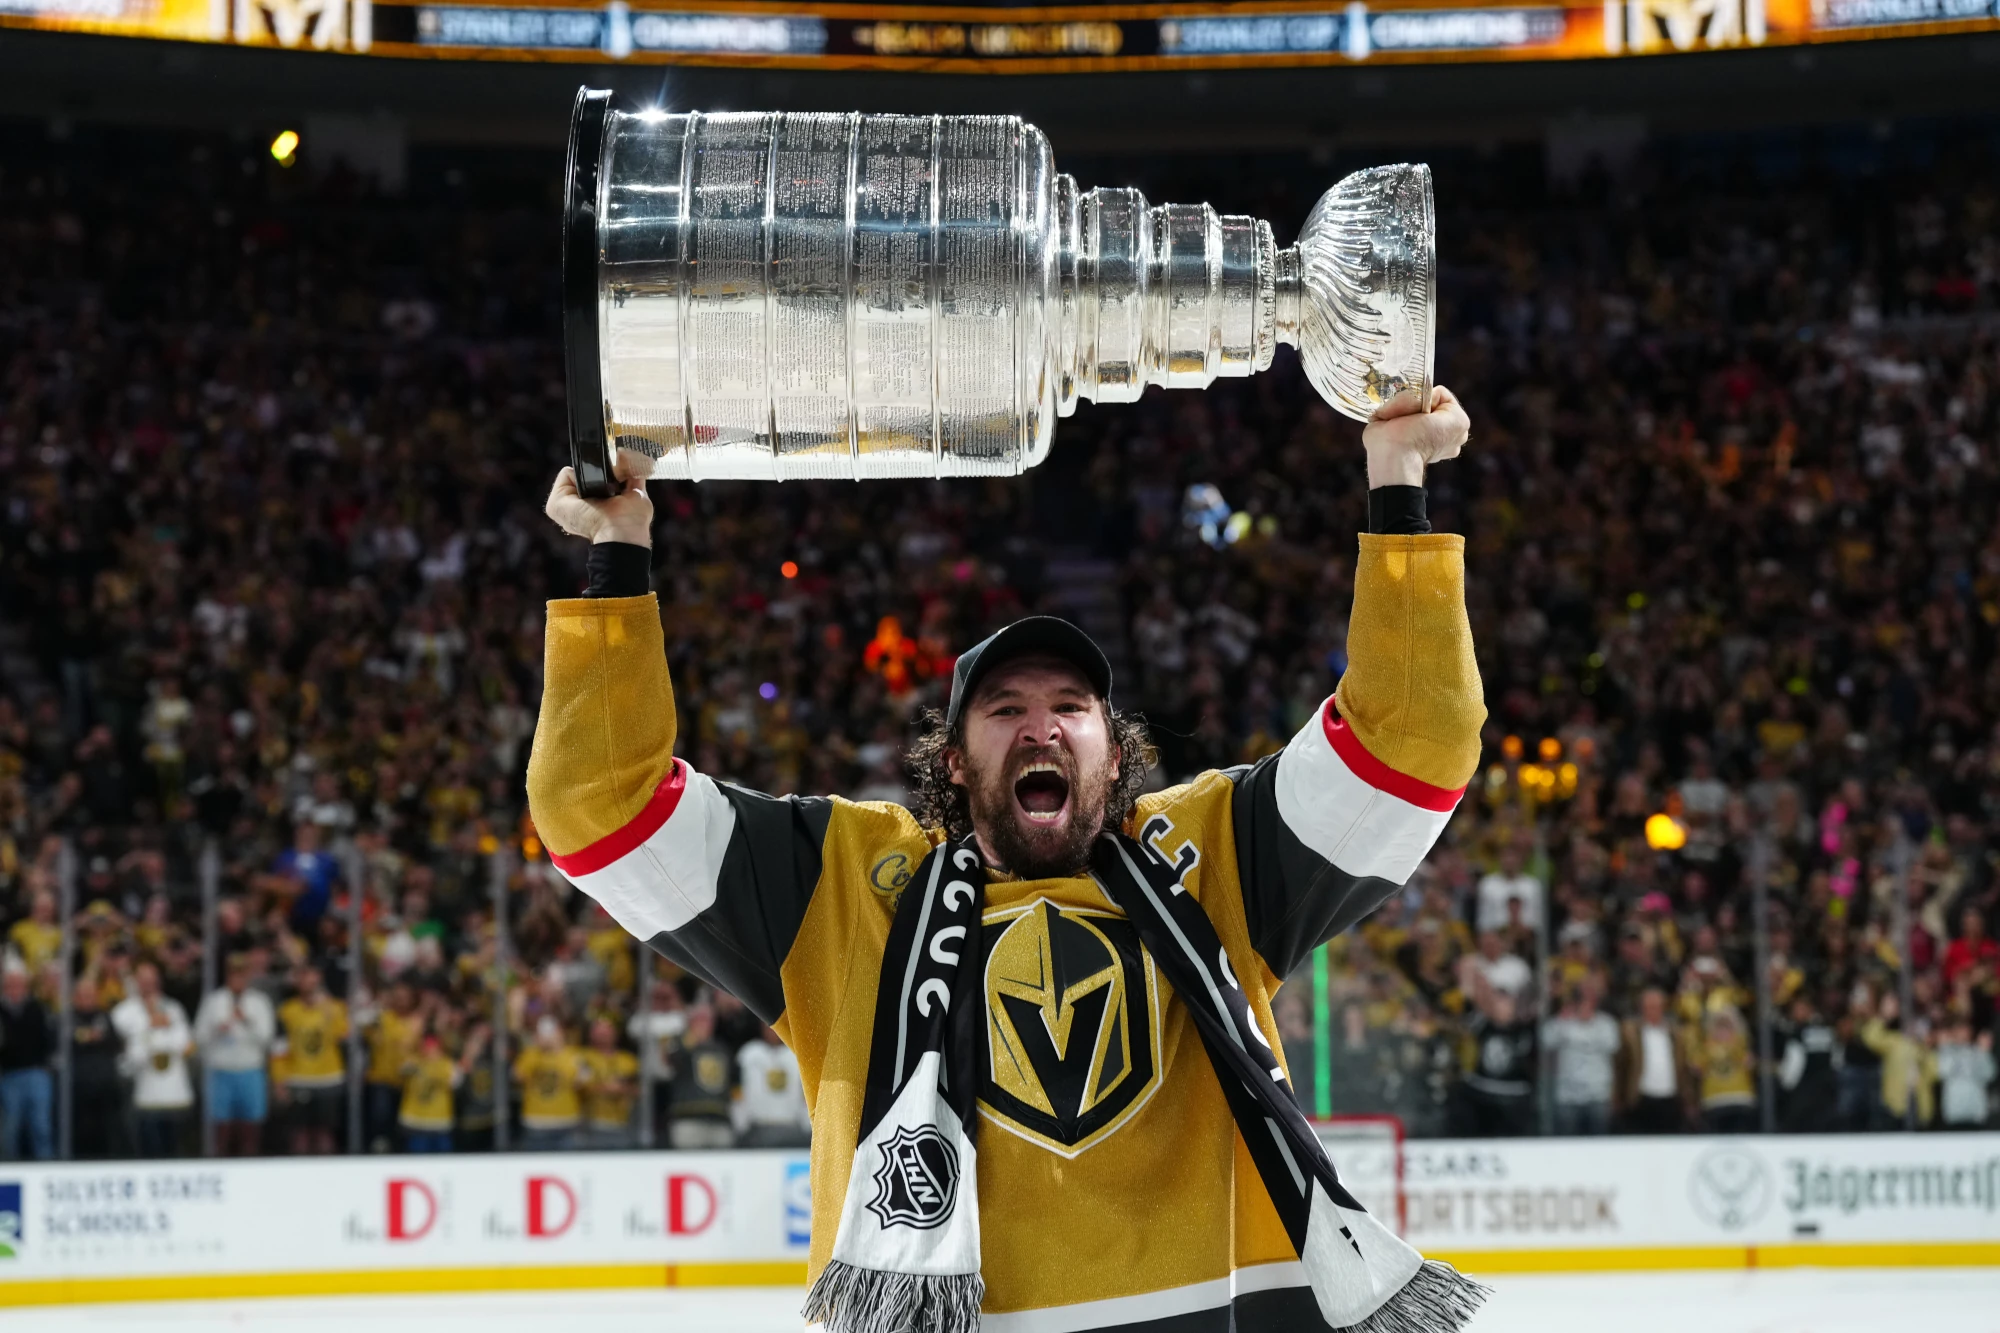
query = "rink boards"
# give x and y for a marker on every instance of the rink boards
(154, 1231)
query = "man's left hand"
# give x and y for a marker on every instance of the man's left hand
(1403, 439)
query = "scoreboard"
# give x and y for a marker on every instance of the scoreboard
(994, 38)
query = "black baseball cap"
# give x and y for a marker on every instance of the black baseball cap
(1036, 635)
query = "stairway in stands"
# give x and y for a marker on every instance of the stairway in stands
(1083, 589)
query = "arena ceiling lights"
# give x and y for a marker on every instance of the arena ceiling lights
(971, 39)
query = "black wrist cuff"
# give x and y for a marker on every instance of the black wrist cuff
(619, 569)
(1398, 511)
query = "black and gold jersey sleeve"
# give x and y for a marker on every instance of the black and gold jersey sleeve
(713, 876)
(1340, 819)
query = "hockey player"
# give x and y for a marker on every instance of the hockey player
(1033, 1019)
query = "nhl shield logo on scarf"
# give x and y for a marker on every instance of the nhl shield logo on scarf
(917, 1182)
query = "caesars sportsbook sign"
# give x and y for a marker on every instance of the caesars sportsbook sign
(1705, 1192)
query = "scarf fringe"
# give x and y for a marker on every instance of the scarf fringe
(1438, 1299)
(847, 1299)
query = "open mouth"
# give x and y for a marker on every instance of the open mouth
(1042, 792)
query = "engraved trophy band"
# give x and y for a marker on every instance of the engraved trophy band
(781, 295)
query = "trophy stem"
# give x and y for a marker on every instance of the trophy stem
(1170, 294)
(1288, 293)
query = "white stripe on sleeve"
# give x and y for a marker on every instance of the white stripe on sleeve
(1360, 828)
(669, 879)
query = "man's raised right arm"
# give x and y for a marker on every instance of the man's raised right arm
(715, 877)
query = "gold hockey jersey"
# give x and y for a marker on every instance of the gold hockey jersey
(1114, 1190)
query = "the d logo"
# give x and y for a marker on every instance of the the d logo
(405, 1221)
(543, 1223)
(691, 1205)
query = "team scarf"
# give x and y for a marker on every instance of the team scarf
(906, 1256)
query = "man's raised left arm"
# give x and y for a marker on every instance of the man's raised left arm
(1330, 827)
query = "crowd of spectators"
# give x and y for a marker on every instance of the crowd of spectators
(272, 567)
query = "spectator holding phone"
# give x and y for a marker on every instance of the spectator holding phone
(655, 1032)
(1498, 1091)
(550, 1074)
(610, 1087)
(703, 1086)
(430, 1077)
(1909, 1066)
(1723, 1064)
(475, 1106)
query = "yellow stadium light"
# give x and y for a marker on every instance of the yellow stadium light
(1664, 833)
(284, 148)
(1550, 749)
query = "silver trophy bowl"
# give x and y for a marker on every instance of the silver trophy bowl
(773, 295)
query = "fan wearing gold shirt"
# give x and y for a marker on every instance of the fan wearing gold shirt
(311, 1072)
(392, 1039)
(430, 1076)
(551, 1074)
(610, 1086)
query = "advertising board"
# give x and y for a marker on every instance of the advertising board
(155, 1228)
(1701, 1201)
(160, 1230)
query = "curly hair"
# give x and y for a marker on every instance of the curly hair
(938, 802)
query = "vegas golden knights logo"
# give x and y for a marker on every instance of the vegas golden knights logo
(322, 25)
(1072, 1017)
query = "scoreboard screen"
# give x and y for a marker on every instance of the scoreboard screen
(998, 39)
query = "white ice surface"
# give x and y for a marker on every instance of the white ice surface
(1841, 1300)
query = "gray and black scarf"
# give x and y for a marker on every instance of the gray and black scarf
(906, 1257)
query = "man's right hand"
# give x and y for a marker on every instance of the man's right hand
(626, 517)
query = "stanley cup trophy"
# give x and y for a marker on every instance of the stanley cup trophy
(771, 295)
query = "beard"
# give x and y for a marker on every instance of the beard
(1029, 850)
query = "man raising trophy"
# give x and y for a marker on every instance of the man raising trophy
(1033, 1015)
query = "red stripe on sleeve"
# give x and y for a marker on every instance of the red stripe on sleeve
(644, 825)
(1378, 774)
